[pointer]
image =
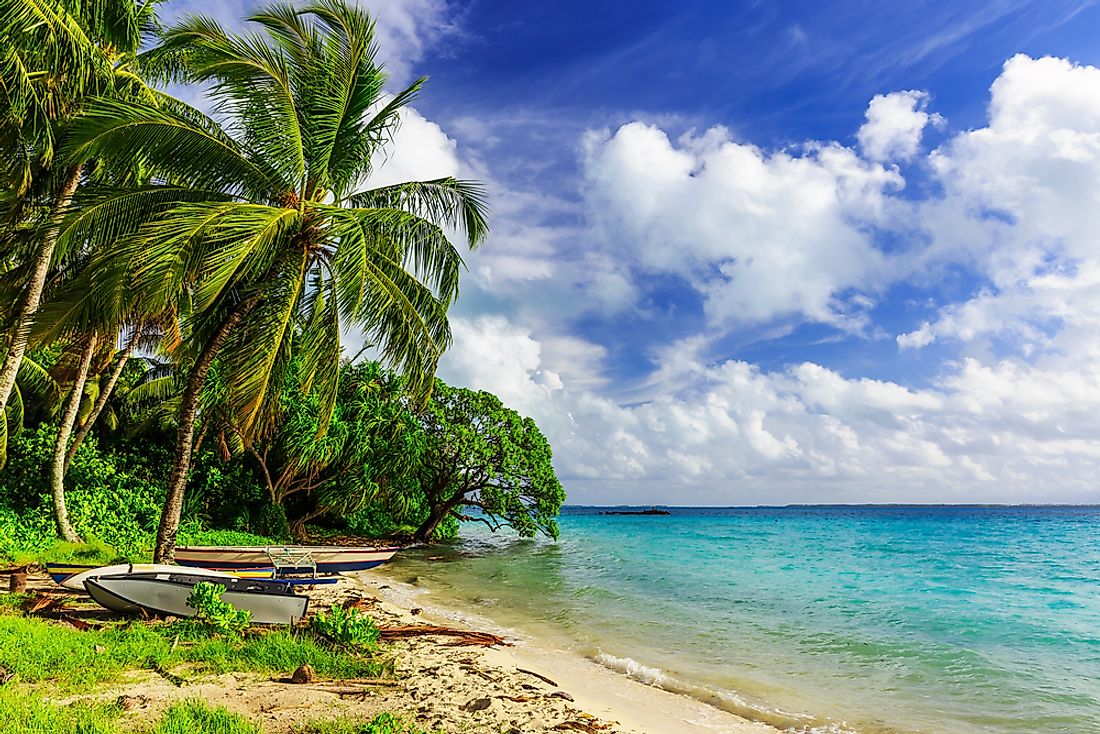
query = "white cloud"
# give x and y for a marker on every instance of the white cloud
(895, 125)
(1026, 188)
(405, 30)
(765, 234)
(420, 151)
(760, 235)
(987, 432)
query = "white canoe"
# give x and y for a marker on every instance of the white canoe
(76, 581)
(166, 594)
(318, 558)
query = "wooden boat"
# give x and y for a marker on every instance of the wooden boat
(166, 594)
(72, 576)
(318, 559)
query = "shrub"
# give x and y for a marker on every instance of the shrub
(221, 616)
(348, 627)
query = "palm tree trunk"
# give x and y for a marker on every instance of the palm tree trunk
(17, 342)
(57, 466)
(189, 407)
(104, 395)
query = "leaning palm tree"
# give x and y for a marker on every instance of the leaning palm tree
(262, 230)
(54, 56)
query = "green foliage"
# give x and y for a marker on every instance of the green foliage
(195, 535)
(349, 627)
(384, 723)
(194, 717)
(220, 616)
(485, 457)
(109, 496)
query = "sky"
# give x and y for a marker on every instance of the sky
(768, 253)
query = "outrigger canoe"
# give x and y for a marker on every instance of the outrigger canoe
(73, 576)
(166, 594)
(318, 559)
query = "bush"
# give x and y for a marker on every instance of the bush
(221, 616)
(348, 627)
(108, 498)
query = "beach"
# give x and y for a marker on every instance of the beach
(824, 621)
(439, 682)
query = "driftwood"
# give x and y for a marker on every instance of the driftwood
(463, 637)
(590, 727)
(42, 604)
(176, 680)
(317, 685)
(541, 677)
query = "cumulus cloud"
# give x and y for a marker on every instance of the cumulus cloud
(986, 432)
(405, 30)
(895, 125)
(1014, 417)
(420, 151)
(760, 235)
(1027, 186)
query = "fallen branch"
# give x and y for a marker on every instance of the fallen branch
(590, 727)
(464, 637)
(44, 603)
(172, 678)
(541, 677)
(343, 682)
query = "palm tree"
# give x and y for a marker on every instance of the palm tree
(54, 56)
(258, 230)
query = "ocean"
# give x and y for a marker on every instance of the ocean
(861, 619)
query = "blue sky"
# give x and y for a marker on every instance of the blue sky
(772, 252)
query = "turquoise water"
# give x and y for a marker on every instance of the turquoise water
(825, 619)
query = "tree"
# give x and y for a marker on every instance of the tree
(256, 231)
(483, 456)
(56, 55)
(370, 451)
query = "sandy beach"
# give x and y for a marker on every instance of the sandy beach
(439, 682)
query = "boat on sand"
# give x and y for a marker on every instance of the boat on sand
(166, 594)
(318, 559)
(73, 576)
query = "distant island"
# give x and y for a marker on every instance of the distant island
(650, 511)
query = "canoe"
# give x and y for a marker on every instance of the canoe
(318, 559)
(67, 574)
(166, 594)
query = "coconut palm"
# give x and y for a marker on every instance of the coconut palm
(54, 56)
(260, 230)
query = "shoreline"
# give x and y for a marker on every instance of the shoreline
(439, 685)
(620, 702)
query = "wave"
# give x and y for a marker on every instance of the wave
(725, 700)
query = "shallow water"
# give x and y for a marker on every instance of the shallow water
(827, 619)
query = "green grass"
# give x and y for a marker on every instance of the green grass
(193, 717)
(28, 714)
(39, 651)
(20, 712)
(92, 553)
(97, 553)
(380, 724)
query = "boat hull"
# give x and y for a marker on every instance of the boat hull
(318, 559)
(73, 576)
(166, 594)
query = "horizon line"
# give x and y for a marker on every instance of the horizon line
(844, 504)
